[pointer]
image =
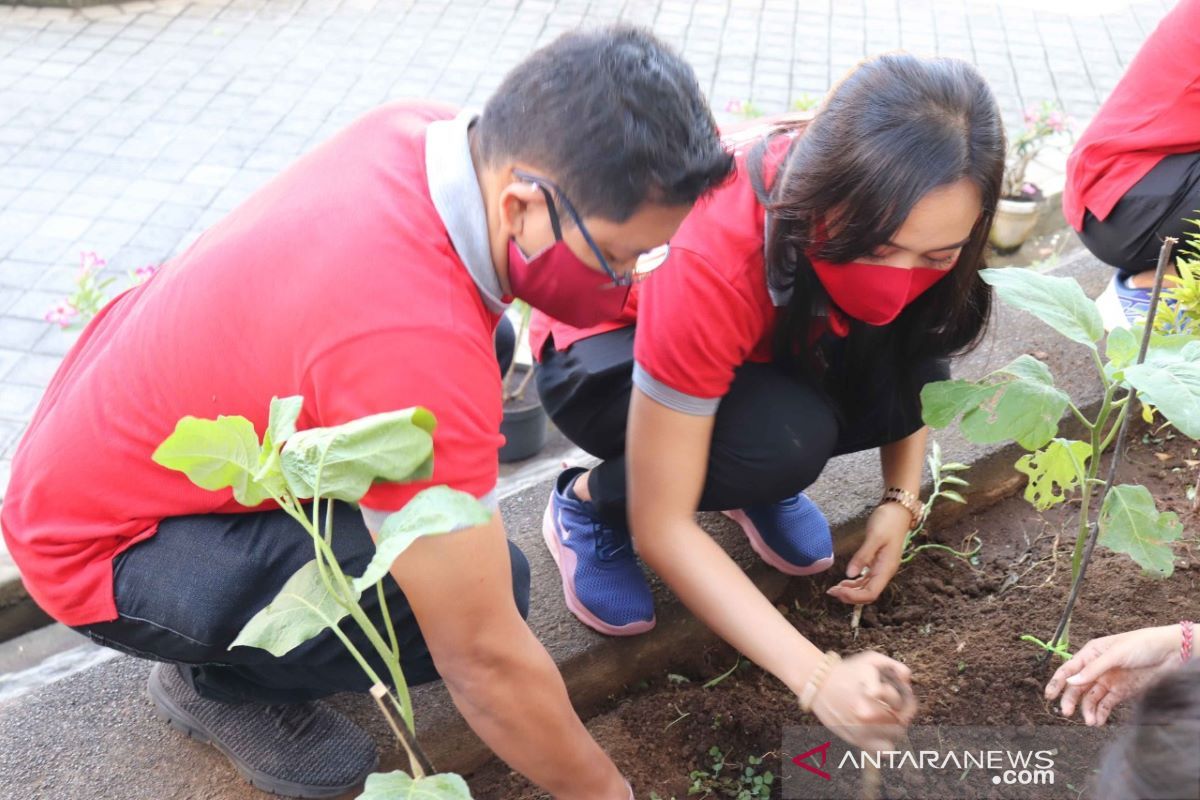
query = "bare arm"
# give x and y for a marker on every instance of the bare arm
(459, 586)
(667, 453)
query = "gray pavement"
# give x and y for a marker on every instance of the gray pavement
(128, 129)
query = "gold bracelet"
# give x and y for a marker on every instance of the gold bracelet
(816, 679)
(912, 503)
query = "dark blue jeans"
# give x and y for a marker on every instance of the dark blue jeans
(184, 594)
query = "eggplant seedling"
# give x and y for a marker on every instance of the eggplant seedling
(323, 465)
(1020, 402)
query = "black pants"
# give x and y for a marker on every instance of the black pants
(185, 593)
(1155, 207)
(772, 436)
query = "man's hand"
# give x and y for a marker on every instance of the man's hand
(880, 554)
(1112, 668)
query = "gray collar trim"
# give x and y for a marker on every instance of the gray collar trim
(455, 192)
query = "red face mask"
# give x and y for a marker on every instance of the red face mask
(874, 293)
(557, 283)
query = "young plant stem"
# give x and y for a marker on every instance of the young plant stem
(331, 573)
(1080, 562)
(416, 758)
(387, 619)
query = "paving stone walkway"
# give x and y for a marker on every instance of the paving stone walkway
(127, 130)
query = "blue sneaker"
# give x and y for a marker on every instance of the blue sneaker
(791, 535)
(602, 578)
(1122, 305)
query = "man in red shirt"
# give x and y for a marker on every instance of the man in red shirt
(1134, 176)
(368, 277)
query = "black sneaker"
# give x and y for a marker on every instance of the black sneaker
(302, 750)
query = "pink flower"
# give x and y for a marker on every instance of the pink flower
(1057, 122)
(142, 274)
(63, 314)
(734, 107)
(89, 262)
(1031, 116)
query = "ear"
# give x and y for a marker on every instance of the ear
(517, 200)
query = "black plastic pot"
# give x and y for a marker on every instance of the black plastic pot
(525, 423)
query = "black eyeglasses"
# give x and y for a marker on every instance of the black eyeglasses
(646, 263)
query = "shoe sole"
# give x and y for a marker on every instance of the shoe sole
(566, 561)
(770, 556)
(1112, 313)
(166, 709)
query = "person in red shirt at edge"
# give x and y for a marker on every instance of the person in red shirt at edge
(1133, 177)
(367, 277)
(798, 312)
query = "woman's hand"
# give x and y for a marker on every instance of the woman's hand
(867, 700)
(880, 555)
(1113, 668)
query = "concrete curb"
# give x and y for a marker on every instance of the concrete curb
(100, 712)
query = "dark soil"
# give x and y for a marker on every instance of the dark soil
(956, 625)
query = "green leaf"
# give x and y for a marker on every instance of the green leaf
(399, 786)
(954, 466)
(394, 446)
(282, 422)
(215, 454)
(1059, 302)
(281, 425)
(302, 609)
(1017, 402)
(1172, 387)
(1121, 348)
(954, 480)
(1131, 524)
(943, 401)
(434, 511)
(950, 494)
(1054, 471)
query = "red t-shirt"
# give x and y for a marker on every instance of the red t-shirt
(1153, 112)
(337, 281)
(707, 309)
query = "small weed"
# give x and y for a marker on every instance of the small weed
(727, 779)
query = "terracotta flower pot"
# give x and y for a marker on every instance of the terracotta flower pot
(1014, 221)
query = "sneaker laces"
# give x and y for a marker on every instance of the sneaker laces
(293, 719)
(610, 541)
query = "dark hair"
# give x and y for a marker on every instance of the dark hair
(1159, 755)
(893, 129)
(613, 116)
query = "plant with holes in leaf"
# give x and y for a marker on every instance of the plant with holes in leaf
(1020, 402)
(304, 472)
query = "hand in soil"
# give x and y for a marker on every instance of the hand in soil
(878, 557)
(867, 700)
(1113, 668)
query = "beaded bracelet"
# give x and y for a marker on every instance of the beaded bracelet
(816, 679)
(1185, 646)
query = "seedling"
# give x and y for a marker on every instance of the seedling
(1020, 402)
(726, 779)
(322, 465)
(942, 476)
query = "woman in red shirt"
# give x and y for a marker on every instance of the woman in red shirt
(800, 309)
(1133, 177)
